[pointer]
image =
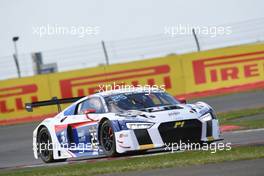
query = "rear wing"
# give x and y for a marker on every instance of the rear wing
(54, 101)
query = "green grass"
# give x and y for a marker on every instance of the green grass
(144, 163)
(229, 118)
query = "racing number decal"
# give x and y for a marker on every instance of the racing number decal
(94, 140)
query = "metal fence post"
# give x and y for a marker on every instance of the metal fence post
(105, 53)
(196, 40)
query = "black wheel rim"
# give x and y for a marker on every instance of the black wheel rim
(44, 145)
(108, 138)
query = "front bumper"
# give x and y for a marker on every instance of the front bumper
(167, 133)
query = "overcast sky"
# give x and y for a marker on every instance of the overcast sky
(116, 19)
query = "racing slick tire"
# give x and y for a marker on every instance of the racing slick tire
(45, 146)
(107, 139)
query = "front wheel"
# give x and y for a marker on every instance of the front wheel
(107, 138)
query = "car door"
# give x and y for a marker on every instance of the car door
(82, 128)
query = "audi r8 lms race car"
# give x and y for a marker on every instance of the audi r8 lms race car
(116, 122)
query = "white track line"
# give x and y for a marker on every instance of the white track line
(247, 131)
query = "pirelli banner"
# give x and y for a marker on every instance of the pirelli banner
(223, 70)
(190, 75)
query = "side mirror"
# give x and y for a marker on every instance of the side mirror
(89, 111)
(182, 100)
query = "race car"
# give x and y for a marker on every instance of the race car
(115, 122)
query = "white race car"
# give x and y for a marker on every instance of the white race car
(115, 122)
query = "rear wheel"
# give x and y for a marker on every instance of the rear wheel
(107, 138)
(45, 147)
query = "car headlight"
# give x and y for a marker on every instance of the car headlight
(207, 117)
(139, 125)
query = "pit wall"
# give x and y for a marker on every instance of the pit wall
(192, 75)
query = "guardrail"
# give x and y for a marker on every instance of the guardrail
(191, 75)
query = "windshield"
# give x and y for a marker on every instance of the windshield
(138, 101)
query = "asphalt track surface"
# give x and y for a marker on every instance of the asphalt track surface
(235, 101)
(16, 140)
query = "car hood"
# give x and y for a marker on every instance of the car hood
(161, 114)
